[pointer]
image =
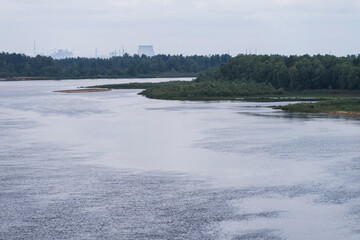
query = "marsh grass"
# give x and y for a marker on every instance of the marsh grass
(327, 106)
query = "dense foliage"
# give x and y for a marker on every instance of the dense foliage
(253, 75)
(192, 90)
(348, 106)
(207, 90)
(290, 73)
(18, 65)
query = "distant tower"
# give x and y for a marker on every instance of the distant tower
(34, 48)
(146, 50)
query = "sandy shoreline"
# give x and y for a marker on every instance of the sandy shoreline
(85, 90)
(344, 113)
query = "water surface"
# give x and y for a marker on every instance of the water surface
(116, 165)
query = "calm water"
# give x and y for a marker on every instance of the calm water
(115, 165)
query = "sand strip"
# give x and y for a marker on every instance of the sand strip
(344, 113)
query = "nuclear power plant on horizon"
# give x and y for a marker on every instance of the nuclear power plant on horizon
(146, 50)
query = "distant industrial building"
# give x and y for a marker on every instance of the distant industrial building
(113, 54)
(117, 53)
(146, 50)
(61, 53)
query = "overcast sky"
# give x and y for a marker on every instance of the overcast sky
(181, 26)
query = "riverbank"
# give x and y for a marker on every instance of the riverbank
(199, 91)
(203, 91)
(343, 107)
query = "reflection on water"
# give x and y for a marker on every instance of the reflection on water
(115, 165)
(280, 114)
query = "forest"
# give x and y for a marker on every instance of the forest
(290, 72)
(193, 90)
(259, 75)
(13, 66)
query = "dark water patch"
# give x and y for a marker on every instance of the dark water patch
(250, 216)
(300, 148)
(182, 108)
(280, 115)
(72, 106)
(348, 170)
(16, 128)
(15, 123)
(338, 196)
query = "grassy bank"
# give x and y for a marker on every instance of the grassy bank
(350, 107)
(249, 91)
(210, 90)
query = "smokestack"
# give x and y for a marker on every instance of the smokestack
(146, 50)
(34, 48)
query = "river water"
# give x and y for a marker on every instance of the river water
(116, 165)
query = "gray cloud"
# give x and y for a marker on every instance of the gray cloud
(187, 27)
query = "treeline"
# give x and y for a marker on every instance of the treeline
(290, 73)
(208, 90)
(192, 90)
(19, 65)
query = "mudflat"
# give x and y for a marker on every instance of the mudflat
(345, 113)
